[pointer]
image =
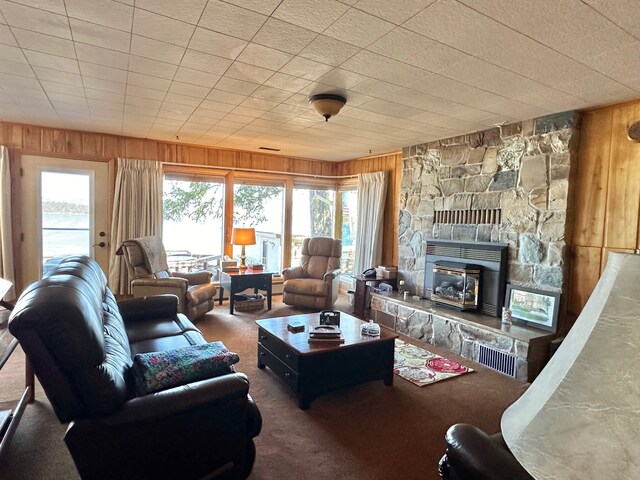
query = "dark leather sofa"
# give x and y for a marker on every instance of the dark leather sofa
(81, 342)
(474, 455)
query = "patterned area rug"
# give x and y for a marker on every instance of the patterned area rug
(422, 367)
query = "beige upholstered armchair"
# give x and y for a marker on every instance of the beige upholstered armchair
(314, 283)
(149, 272)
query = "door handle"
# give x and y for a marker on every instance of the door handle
(101, 245)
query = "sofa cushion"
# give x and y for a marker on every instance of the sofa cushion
(307, 286)
(159, 327)
(158, 371)
(316, 267)
(185, 339)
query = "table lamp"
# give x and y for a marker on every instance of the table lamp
(579, 419)
(243, 236)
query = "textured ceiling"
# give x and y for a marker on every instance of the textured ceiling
(237, 73)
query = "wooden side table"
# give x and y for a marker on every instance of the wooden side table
(362, 283)
(11, 412)
(236, 282)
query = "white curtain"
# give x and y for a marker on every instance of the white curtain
(372, 191)
(137, 212)
(6, 231)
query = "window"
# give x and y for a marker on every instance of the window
(193, 225)
(348, 227)
(313, 216)
(66, 216)
(261, 206)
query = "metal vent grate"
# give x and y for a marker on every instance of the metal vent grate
(502, 362)
(487, 216)
(480, 254)
(442, 250)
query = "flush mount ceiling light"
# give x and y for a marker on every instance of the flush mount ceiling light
(327, 105)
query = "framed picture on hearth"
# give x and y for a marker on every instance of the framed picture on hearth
(533, 307)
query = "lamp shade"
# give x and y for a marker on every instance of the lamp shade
(243, 236)
(580, 417)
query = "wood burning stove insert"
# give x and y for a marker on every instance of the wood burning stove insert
(456, 285)
(492, 257)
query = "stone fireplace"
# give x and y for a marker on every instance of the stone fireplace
(508, 188)
(509, 185)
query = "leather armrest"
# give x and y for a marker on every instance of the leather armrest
(255, 419)
(329, 276)
(474, 454)
(164, 282)
(159, 405)
(158, 286)
(156, 306)
(292, 272)
(194, 278)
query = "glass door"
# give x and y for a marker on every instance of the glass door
(64, 212)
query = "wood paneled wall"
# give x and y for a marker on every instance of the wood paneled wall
(393, 165)
(607, 197)
(33, 140)
(44, 141)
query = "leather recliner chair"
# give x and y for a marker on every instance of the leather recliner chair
(81, 345)
(474, 455)
(314, 284)
(194, 290)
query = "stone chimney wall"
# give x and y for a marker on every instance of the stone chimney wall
(518, 171)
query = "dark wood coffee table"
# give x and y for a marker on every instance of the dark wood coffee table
(312, 369)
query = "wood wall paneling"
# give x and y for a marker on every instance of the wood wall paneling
(585, 272)
(623, 198)
(607, 193)
(35, 140)
(590, 189)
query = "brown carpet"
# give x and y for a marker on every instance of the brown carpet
(365, 432)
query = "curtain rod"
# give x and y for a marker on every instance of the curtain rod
(275, 172)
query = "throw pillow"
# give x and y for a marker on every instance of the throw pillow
(156, 371)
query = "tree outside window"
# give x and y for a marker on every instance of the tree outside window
(260, 207)
(313, 216)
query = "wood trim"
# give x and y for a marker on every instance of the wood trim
(228, 213)
(337, 220)
(287, 238)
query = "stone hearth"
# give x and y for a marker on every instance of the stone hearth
(462, 332)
